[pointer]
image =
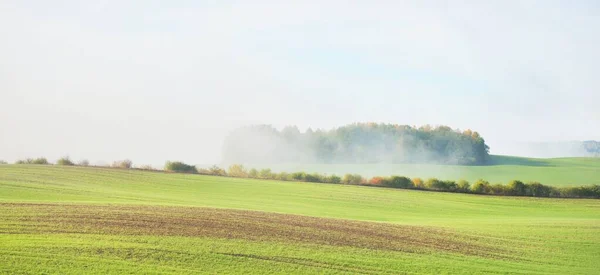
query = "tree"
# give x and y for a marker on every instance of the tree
(179, 167)
(253, 173)
(125, 164)
(463, 186)
(377, 181)
(418, 183)
(238, 171)
(352, 179)
(333, 179)
(217, 171)
(265, 174)
(64, 161)
(398, 182)
(356, 143)
(481, 187)
(516, 188)
(537, 189)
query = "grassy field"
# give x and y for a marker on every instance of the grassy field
(502, 169)
(94, 220)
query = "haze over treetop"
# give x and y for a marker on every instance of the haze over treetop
(356, 143)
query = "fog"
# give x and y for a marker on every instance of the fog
(366, 143)
(153, 81)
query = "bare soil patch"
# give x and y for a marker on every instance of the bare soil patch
(24, 218)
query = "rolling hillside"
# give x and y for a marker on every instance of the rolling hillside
(77, 220)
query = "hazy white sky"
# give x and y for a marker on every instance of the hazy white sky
(166, 80)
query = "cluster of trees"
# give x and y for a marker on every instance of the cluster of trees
(42, 161)
(513, 188)
(592, 147)
(68, 162)
(356, 143)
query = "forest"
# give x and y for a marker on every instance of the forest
(356, 143)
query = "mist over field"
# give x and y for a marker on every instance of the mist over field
(152, 82)
(355, 143)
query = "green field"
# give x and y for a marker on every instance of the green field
(502, 169)
(98, 220)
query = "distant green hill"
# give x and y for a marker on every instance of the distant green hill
(502, 169)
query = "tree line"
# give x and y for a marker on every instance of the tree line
(513, 188)
(356, 143)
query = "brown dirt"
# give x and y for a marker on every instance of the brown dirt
(23, 218)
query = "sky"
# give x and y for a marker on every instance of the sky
(167, 80)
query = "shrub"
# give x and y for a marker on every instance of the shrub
(463, 186)
(499, 189)
(282, 176)
(481, 187)
(537, 189)
(33, 161)
(217, 171)
(124, 164)
(432, 184)
(265, 174)
(64, 161)
(253, 173)
(450, 185)
(83, 162)
(376, 181)
(418, 183)
(3, 162)
(581, 192)
(179, 167)
(314, 177)
(333, 179)
(398, 182)
(237, 170)
(352, 179)
(146, 167)
(299, 176)
(516, 188)
(40, 161)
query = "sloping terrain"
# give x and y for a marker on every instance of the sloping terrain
(82, 220)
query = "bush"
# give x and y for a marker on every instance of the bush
(124, 164)
(266, 174)
(499, 189)
(3, 162)
(352, 179)
(440, 185)
(299, 176)
(481, 187)
(83, 162)
(64, 161)
(43, 161)
(377, 181)
(516, 188)
(146, 167)
(237, 170)
(179, 167)
(418, 183)
(581, 192)
(463, 186)
(216, 171)
(333, 179)
(537, 189)
(253, 173)
(398, 182)
(282, 176)
(314, 177)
